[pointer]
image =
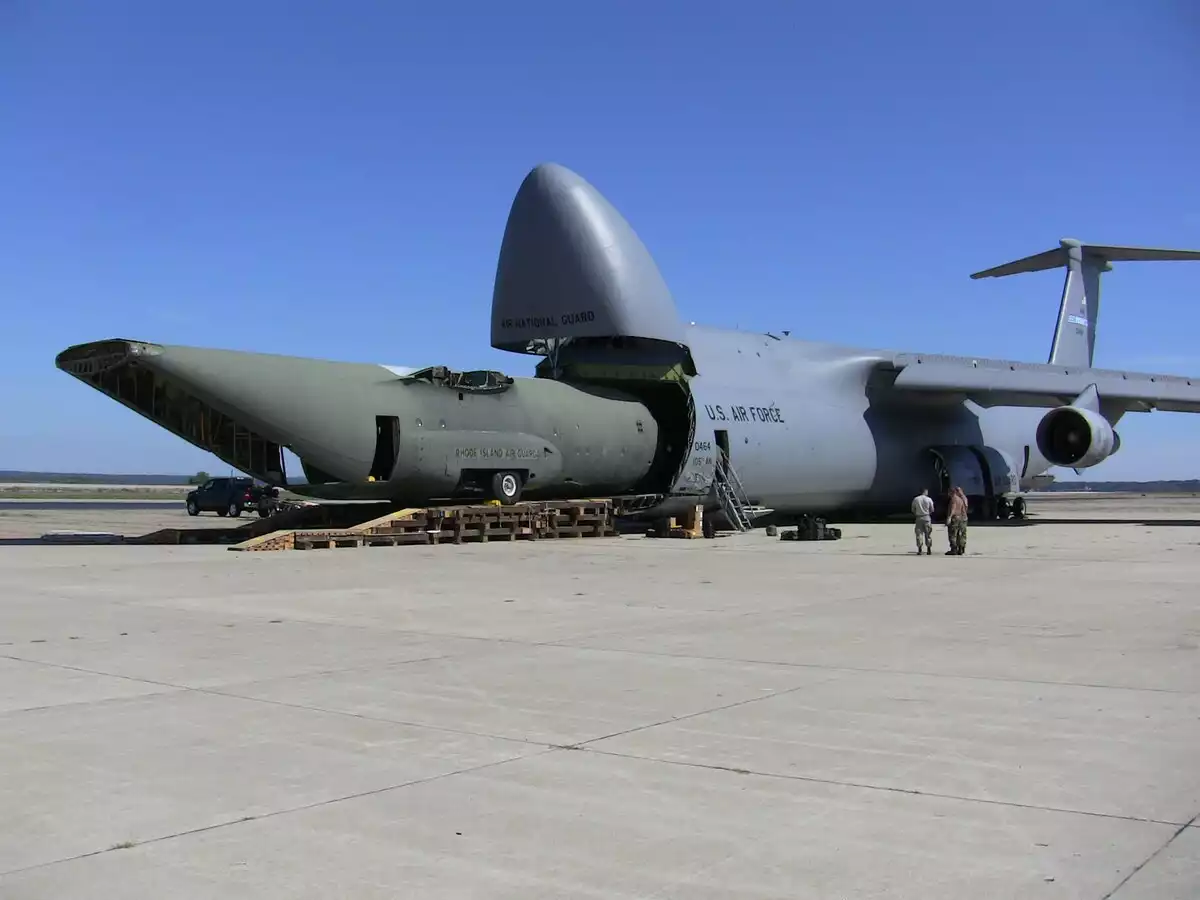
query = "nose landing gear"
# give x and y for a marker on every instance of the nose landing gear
(506, 487)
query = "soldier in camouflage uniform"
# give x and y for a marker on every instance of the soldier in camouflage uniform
(956, 522)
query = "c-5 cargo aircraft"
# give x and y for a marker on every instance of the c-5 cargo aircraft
(630, 400)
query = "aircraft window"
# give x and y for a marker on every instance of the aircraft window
(475, 380)
(484, 379)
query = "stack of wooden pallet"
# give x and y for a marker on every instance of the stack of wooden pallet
(453, 524)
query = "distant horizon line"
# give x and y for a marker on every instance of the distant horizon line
(19, 475)
(164, 478)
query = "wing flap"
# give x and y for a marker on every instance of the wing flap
(991, 382)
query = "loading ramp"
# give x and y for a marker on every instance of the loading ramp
(311, 525)
(295, 516)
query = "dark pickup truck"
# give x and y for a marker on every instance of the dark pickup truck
(231, 496)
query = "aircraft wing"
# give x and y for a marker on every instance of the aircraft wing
(994, 382)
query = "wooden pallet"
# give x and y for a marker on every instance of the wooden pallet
(452, 524)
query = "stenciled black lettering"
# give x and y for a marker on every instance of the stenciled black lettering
(579, 317)
(738, 413)
(530, 322)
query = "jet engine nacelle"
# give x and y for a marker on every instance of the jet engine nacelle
(1076, 438)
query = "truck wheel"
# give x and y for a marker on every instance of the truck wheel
(506, 487)
(235, 509)
(192, 508)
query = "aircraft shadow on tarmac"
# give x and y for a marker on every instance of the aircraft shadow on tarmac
(1047, 520)
(1012, 523)
(1114, 520)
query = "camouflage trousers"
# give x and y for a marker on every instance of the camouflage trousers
(923, 530)
(957, 528)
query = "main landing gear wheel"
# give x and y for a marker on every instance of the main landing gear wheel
(506, 487)
(1018, 508)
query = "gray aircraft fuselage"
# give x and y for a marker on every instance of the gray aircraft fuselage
(630, 400)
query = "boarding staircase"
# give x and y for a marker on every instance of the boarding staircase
(734, 503)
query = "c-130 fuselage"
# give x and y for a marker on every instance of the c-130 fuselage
(630, 400)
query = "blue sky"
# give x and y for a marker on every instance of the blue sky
(332, 179)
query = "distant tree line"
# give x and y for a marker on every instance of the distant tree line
(1186, 486)
(24, 477)
(1178, 486)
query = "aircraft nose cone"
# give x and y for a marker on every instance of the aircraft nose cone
(570, 264)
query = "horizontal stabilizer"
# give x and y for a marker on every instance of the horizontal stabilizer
(991, 382)
(1101, 253)
(1074, 339)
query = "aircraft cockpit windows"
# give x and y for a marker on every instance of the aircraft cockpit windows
(482, 379)
(477, 380)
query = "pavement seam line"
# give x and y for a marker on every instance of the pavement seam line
(580, 745)
(811, 779)
(171, 687)
(872, 671)
(214, 692)
(784, 612)
(377, 664)
(380, 719)
(80, 669)
(1149, 859)
(553, 745)
(217, 692)
(275, 813)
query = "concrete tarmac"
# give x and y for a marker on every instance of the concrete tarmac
(616, 718)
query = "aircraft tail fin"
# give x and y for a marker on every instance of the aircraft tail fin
(1074, 340)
